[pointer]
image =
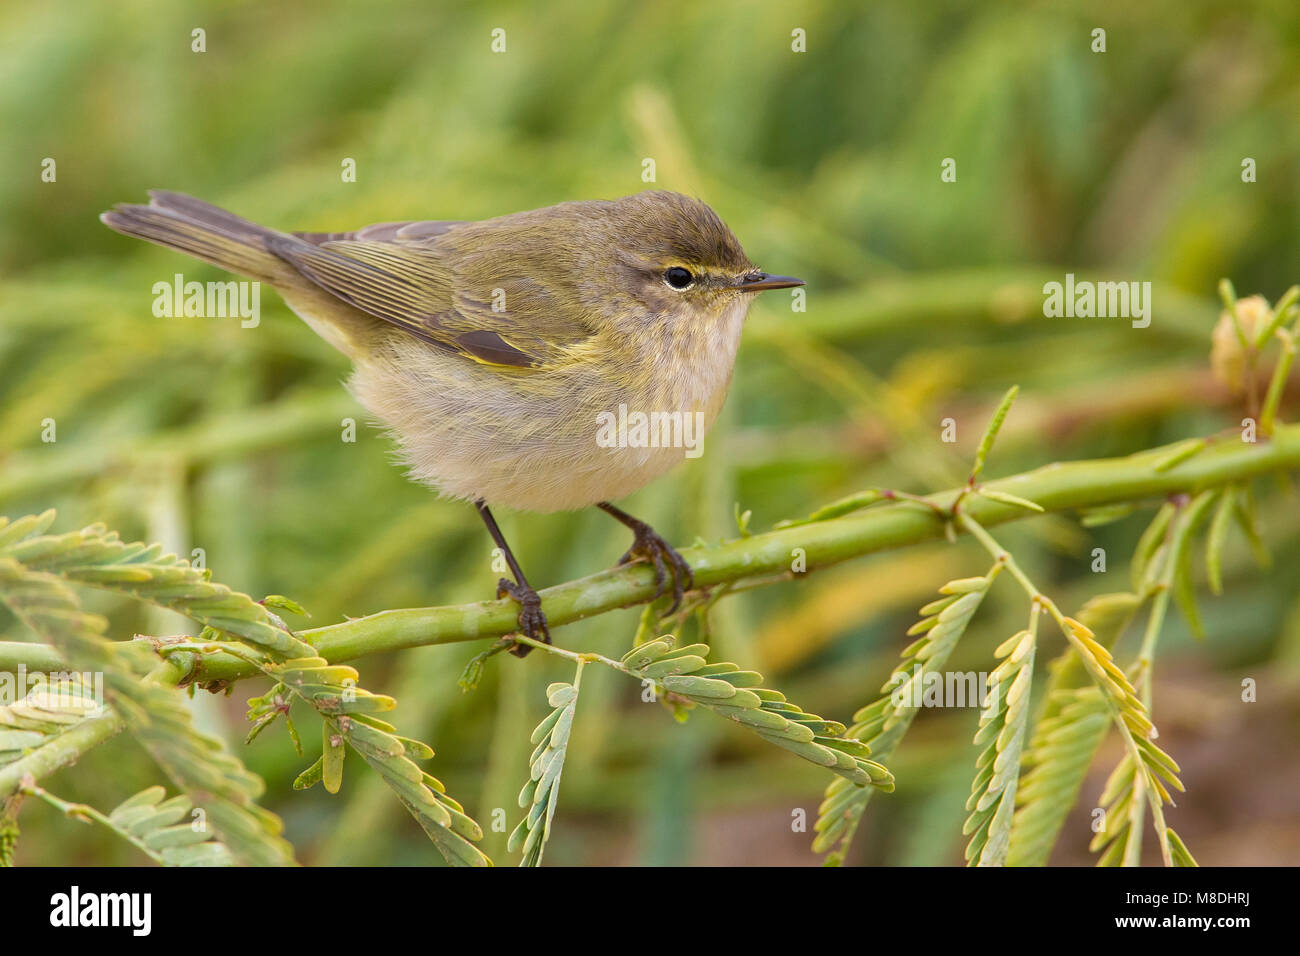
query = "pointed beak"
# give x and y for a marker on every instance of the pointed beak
(758, 281)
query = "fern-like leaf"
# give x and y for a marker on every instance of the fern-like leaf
(47, 711)
(1245, 514)
(347, 713)
(1066, 736)
(541, 793)
(1151, 541)
(1061, 750)
(154, 827)
(1214, 541)
(688, 679)
(96, 557)
(1146, 768)
(199, 764)
(1184, 591)
(881, 725)
(1002, 732)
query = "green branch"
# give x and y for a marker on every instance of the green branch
(60, 752)
(64, 749)
(769, 557)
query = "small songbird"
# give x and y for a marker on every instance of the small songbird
(546, 360)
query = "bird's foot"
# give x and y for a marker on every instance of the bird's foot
(532, 620)
(649, 546)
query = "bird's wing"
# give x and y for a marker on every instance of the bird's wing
(397, 272)
(408, 231)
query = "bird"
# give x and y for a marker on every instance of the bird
(547, 360)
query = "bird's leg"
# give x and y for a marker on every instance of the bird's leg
(648, 545)
(532, 621)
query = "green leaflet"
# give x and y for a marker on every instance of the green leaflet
(152, 712)
(1218, 535)
(1002, 729)
(1058, 757)
(541, 793)
(1184, 590)
(97, 557)
(1144, 765)
(1148, 544)
(735, 694)
(881, 724)
(1066, 736)
(153, 826)
(991, 433)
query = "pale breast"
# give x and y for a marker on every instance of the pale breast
(555, 440)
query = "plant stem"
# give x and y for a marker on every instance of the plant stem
(769, 556)
(88, 813)
(36, 658)
(581, 658)
(1004, 557)
(63, 750)
(1059, 487)
(1161, 591)
(1277, 384)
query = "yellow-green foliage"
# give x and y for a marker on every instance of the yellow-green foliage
(924, 303)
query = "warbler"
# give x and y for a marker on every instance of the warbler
(496, 352)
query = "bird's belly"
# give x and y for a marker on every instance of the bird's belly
(552, 479)
(546, 462)
(550, 441)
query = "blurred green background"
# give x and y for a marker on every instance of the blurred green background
(924, 302)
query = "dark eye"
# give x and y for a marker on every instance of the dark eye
(678, 278)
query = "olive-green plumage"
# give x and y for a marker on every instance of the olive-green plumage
(490, 348)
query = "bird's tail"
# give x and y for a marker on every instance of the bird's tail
(206, 232)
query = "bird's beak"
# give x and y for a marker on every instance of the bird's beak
(758, 281)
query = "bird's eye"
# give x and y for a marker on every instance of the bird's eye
(678, 278)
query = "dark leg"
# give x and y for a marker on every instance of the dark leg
(647, 544)
(532, 622)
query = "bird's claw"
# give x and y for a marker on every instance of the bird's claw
(649, 546)
(532, 620)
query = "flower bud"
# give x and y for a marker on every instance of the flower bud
(1227, 357)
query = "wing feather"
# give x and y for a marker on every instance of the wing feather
(401, 272)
